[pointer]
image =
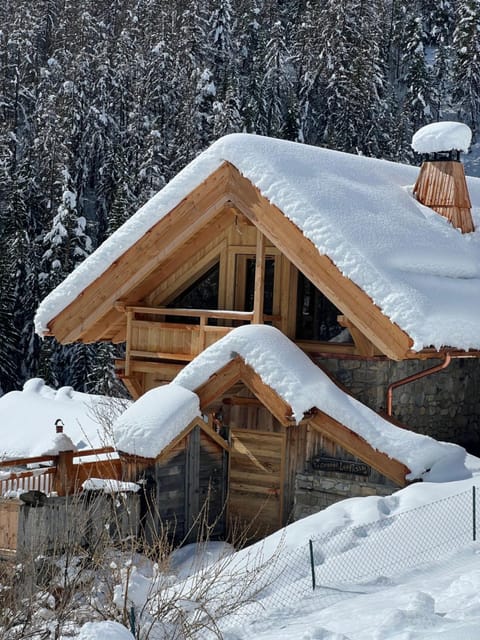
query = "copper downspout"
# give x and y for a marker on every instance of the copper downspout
(412, 378)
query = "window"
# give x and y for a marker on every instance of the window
(249, 290)
(316, 315)
(201, 294)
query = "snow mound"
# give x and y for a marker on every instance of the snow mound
(28, 419)
(442, 136)
(60, 442)
(110, 486)
(106, 630)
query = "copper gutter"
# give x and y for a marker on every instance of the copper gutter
(412, 378)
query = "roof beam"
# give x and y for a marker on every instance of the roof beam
(234, 371)
(318, 268)
(272, 401)
(219, 383)
(136, 264)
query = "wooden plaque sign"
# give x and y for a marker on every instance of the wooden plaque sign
(322, 463)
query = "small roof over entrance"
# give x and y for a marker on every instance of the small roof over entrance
(295, 389)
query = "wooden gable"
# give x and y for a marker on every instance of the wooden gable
(195, 228)
(236, 370)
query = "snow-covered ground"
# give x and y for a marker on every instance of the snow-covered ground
(439, 600)
(401, 567)
(417, 601)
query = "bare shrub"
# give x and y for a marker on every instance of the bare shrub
(98, 569)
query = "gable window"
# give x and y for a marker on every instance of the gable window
(316, 315)
(201, 294)
(245, 293)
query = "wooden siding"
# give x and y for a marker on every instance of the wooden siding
(9, 517)
(212, 485)
(170, 492)
(441, 185)
(255, 500)
(186, 487)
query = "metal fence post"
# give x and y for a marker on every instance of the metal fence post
(474, 512)
(132, 621)
(312, 564)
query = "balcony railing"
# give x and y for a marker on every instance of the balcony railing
(151, 336)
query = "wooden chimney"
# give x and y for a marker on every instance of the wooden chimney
(441, 184)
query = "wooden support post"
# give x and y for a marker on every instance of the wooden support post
(259, 279)
(202, 336)
(129, 343)
(64, 481)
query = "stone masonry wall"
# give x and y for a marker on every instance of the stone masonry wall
(315, 491)
(445, 405)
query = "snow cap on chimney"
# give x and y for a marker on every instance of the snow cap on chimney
(442, 137)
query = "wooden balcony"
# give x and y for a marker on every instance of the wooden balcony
(150, 336)
(160, 341)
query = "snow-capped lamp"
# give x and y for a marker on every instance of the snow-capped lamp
(441, 184)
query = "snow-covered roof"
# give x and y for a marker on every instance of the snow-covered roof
(28, 419)
(420, 271)
(303, 385)
(442, 136)
(154, 420)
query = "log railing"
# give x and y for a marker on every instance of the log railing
(62, 473)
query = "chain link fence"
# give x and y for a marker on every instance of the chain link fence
(352, 560)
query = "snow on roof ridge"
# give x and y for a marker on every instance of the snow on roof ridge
(303, 385)
(154, 420)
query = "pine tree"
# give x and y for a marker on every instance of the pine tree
(353, 76)
(276, 86)
(417, 103)
(466, 66)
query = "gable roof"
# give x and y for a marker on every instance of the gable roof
(351, 214)
(270, 363)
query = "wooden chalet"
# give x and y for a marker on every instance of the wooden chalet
(326, 247)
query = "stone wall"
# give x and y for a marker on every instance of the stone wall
(315, 491)
(445, 405)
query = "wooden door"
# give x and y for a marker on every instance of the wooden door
(205, 480)
(255, 498)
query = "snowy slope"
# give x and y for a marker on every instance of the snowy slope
(403, 595)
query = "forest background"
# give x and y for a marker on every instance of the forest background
(102, 102)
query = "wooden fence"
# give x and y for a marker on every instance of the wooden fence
(62, 474)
